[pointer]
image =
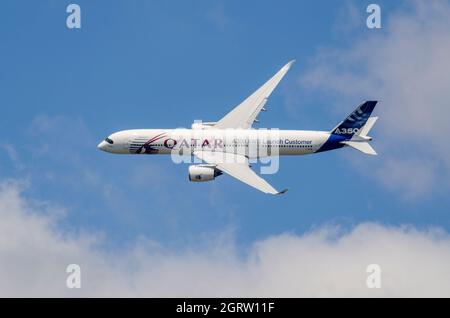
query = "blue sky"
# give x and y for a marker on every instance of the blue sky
(163, 64)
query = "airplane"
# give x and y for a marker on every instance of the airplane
(230, 144)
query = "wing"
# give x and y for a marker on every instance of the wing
(237, 167)
(243, 115)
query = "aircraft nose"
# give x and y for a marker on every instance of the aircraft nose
(102, 145)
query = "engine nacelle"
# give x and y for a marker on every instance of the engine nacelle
(201, 173)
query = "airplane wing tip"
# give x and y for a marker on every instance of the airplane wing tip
(244, 115)
(283, 191)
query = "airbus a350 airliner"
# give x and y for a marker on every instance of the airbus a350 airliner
(230, 144)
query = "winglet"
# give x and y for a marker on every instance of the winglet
(283, 191)
(289, 64)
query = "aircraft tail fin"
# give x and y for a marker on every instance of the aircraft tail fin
(356, 127)
(367, 127)
(356, 121)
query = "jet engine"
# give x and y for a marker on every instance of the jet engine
(201, 173)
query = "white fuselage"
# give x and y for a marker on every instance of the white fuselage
(253, 143)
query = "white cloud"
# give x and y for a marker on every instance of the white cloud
(325, 262)
(406, 66)
(396, 173)
(349, 18)
(13, 156)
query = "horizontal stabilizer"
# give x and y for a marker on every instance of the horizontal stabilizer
(364, 147)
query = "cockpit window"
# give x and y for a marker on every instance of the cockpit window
(109, 141)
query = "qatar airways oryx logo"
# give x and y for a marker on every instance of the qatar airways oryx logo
(142, 145)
